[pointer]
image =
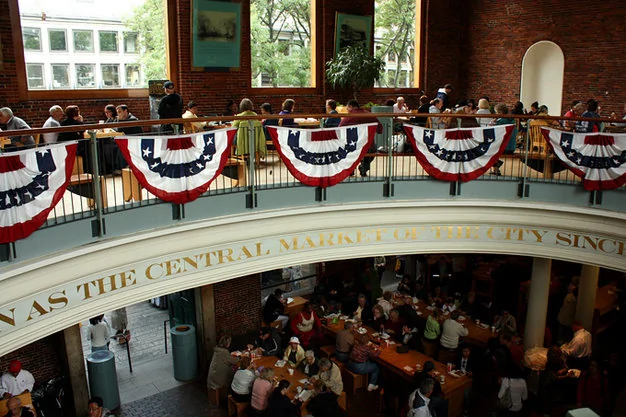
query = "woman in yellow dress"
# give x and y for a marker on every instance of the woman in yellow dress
(243, 131)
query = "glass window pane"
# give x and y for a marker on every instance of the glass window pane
(60, 76)
(58, 41)
(35, 75)
(133, 76)
(85, 75)
(130, 43)
(110, 75)
(391, 18)
(108, 41)
(83, 41)
(32, 39)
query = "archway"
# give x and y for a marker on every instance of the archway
(542, 76)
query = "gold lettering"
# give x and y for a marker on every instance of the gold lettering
(620, 248)
(127, 276)
(471, 232)
(341, 238)
(158, 274)
(259, 249)
(37, 309)
(228, 256)
(379, 233)
(601, 243)
(85, 288)
(286, 246)
(191, 262)
(362, 237)
(246, 252)
(437, 231)
(7, 319)
(326, 240)
(207, 259)
(490, 233)
(563, 239)
(309, 242)
(591, 242)
(57, 298)
(539, 235)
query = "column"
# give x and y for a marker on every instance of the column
(206, 328)
(75, 367)
(587, 295)
(537, 303)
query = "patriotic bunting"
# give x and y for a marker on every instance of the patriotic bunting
(178, 169)
(598, 159)
(31, 183)
(323, 157)
(458, 154)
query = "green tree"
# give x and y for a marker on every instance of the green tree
(280, 42)
(395, 29)
(148, 20)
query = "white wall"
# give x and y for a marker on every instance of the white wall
(542, 76)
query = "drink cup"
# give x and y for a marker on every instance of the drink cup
(291, 371)
(100, 122)
(449, 367)
(493, 329)
(418, 367)
(299, 389)
(477, 322)
(442, 379)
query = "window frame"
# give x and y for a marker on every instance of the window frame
(117, 41)
(69, 75)
(38, 30)
(95, 85)
(126, 66)
(93, 42)
(119, 84)
(50, 30)
(124, 36)
(43, 75)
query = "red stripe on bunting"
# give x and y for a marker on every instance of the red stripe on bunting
(602, 140)
(459, 134)
(320, 135)
(178, 144)
(10, 163)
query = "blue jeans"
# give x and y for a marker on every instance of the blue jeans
(366, 367)
(342, 357)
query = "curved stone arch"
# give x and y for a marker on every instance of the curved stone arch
(543, 69)
(145, 265)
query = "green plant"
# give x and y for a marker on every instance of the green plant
(354, 67)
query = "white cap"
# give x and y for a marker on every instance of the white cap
(294, 339)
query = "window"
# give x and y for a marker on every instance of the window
(58, 40)
(108, 41)
(85, 75)
(130, 43)
(60, 76)
(32, 39)
(35, 76)
(393, 17)
(133, 75)
(280, 43)
(83, 41)
(110, 75)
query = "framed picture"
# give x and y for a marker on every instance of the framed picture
(215, 34)
(352, 30)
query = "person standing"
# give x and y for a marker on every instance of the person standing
(170, 107)
(17, 381)
(443, 95)
(419, 400)
(119, 322)
(99, 334)
(221, 369)
(56, 114)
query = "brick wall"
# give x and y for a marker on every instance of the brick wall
(497, 33)
(238, 305)
(41, 358)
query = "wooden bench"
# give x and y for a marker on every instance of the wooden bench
(327, 351)
(352, 381)
(80, 177)
(236, 408)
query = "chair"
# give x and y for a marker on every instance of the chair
(218, 395)
(352, 381)
(327, 351)
(37, 138)
(236, 408)
(131, 187)
(80, 177)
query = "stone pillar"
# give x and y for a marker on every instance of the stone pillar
(75, 367)
(587, 295)
(206, 329)
(537, 303)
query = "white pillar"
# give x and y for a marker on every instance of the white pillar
(537, 303)
(587, 295)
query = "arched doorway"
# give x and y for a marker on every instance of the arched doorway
(542, 76)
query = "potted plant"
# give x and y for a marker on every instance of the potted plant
(354, 67)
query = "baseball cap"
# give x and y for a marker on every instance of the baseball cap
(294, 339)
(15, 366)
(168, 84)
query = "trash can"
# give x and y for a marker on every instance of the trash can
(382, 139)
(184, 352)
(103, 378)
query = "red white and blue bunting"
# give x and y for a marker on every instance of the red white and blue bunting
(323, 157)
(458, 154)
(597, 158)
(178, 169)
(31, 183)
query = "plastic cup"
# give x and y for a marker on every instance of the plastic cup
(291, 372)
(442, 379)
(477, 322)
(493, 329)
(449, 367)
(418, 367)
(299, 389)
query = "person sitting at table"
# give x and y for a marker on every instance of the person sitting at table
(435, 108)
(306, 325)
(17, 381)
(274, 309)
(330, 375)
(360, 362)
(16, 409)
(344, 342)
(310, 365)
(363, 311)
(419, 400)
(110, 112)
(394, 325)
(410, 337)
(404, 287)
(438, 404)
(268, 341)
(379, 318)
(400, 106)
(287, 108)
(423, 108)
(513, 349)
(432, 330)
(331, 108)
(261, 390)
(324, 402)
(12, 122)
(591, 112)
(192, 113)
(506, 323)
(280, 405)
(56, 115)
(385, 302)
(266, 110)
(124, 115)
(449, 306)
(221, 368)
(354, 108)
(452, 332)
(465, 362)
(231, 108)
(241, 387)
(72, 118)
(294, 354)
(578, 350)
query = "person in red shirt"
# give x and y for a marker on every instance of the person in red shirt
(354, 108)
(306, 325)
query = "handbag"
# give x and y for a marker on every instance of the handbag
(506, 402)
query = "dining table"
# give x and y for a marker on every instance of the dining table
(405, 365)
(294, 306)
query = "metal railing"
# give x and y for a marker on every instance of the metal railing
(95, 192)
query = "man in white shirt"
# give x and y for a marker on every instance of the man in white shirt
(579, 348)
(452, 331)
(400, 106)
(56, 114)
(17, 381)
(419, 400)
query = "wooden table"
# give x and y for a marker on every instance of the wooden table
(283, 373)
(404, 365)
(295, 307)
(102, 134)
(307, 123)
